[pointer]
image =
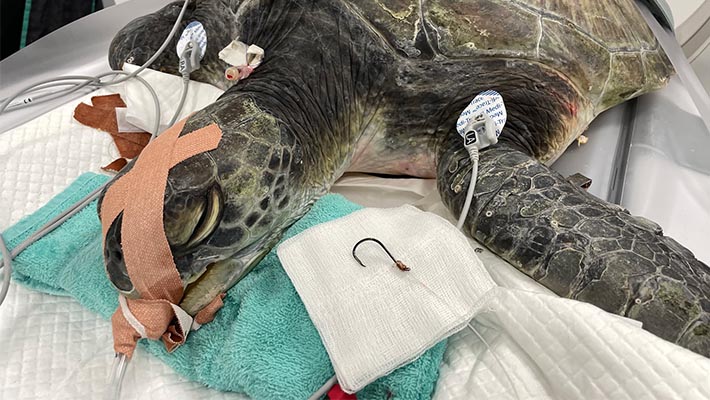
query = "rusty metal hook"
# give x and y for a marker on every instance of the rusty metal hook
(397, 263)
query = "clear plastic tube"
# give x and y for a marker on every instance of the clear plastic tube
(118, 372)
(324, 389)
(7, 271)
(495, 357)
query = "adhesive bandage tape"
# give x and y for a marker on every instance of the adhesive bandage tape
(239, 54)
(489, 103)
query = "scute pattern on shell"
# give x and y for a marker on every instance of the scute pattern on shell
(603, 46)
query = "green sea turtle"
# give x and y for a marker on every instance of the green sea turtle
(376, 86)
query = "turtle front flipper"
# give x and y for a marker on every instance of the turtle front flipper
(579, 246)
(138, 41)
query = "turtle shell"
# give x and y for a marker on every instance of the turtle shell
(604, 47)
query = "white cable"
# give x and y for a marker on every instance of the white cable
(324, 389)
(473, 154)
(89, 80)
(495, 357)
(480, 131)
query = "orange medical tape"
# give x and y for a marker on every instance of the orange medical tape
(158, 319)
(139, 195)
(207, 314)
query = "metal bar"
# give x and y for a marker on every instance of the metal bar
(621, 156)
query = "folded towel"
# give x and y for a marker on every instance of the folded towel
(261, 342)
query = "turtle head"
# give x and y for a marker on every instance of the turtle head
(138, 41)
(224, 209)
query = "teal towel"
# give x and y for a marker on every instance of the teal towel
(262, 341)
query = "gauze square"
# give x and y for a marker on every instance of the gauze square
(375, 319)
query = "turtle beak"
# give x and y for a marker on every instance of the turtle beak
(209, 221)
(218, 277)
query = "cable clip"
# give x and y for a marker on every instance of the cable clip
(190, 59)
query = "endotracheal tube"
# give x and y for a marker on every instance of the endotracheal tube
(118, 370)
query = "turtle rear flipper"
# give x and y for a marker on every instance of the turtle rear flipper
(579, 246)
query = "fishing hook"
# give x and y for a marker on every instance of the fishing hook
(397, 263)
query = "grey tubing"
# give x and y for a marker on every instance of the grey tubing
(7, 272)
(90, 80)
(87, 81)
(161, 49)
(36, 98)
(324, 389)
(181, 104)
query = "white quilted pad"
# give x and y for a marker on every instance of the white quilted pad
(547, 347)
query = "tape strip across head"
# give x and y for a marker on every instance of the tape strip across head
(139, 195)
